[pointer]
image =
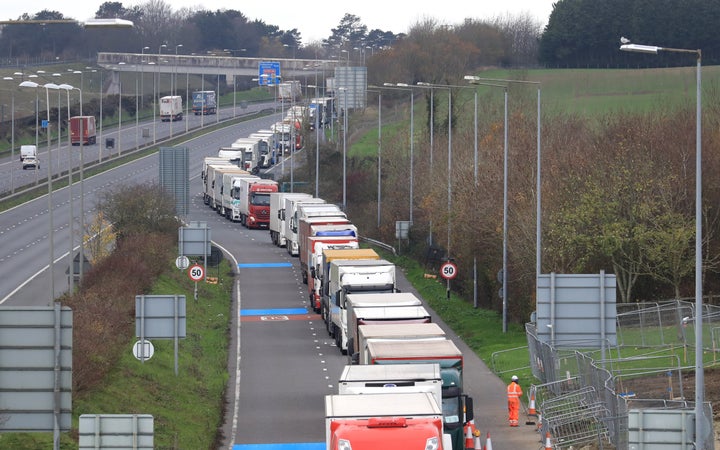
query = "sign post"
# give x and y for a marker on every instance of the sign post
(448, 271)
(196, 273)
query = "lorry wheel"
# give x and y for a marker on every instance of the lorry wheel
(337, 334)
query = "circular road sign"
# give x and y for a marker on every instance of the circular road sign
(143, 350)
(448, 270)
(196, 272)
(182, 262)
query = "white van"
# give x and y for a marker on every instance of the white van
(27, 150)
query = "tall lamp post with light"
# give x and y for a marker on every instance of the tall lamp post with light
(12, 135)
(69, 88)
(51, 265)
(407, 87)
(699, 366)
(71, 271)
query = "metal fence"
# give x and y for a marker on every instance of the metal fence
(586, 389)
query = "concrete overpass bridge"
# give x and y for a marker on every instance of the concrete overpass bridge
(229, 66)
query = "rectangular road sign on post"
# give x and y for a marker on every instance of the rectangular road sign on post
(134, 431)
(269, 73)
(194, 240)
(35, 369)
(160, 316)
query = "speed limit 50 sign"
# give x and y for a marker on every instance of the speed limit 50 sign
(196, 272)
(448, 270)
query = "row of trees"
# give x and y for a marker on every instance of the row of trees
(586, 33)
(198, 30)
(618, 194)
(579, 33)
(230, 31)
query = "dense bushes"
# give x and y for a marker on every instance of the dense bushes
(104, 306)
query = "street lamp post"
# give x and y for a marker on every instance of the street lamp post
(379, 159)
(119, 147)
(71, 271)
(142, 80)
(12, 135)
(344, 171)
(538, 213)
(174, 83)
(406, 87)
(699, 366)
(51, 264)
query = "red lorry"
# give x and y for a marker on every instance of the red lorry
(254, 201)
(82, 130)
(335, 225)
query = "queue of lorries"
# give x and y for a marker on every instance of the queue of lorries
(402, 386)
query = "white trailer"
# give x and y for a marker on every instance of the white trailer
(290, 235)
(250, 148)
(396, 332)
(398, 378)
(216, 200)
(277, 214)
(355, 276)
(230, 194)
(171, 108)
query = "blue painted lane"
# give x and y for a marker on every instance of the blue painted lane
(285, 446)
(273, 312)
(263, 265)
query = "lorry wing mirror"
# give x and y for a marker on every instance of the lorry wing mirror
(312, 272)
(469, 414)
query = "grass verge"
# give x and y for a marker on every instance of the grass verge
(187, 408)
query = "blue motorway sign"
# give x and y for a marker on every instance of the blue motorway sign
(268, 73)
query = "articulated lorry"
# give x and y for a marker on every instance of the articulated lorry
(314, 246)
(350, 277)
(82, 130)
(204, 102)
(305, 211)
(217, 175)
(171, 108)
(289, 228)
(230, 194)
(384, 422)
(457, 407)
(321, 275)
(395, 332)
(254, 201)
(207, 162)
(277, 214)
(250, 150)
(393, 378)
(377, 309)
(324, 226)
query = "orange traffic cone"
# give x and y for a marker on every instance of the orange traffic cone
(531, 410)
(488, 442)
(469, 440)
(548, 444)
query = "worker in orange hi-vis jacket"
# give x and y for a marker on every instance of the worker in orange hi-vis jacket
(514, 392)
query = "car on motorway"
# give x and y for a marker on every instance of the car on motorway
(31, 162)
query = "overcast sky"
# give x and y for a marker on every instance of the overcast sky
(316, 19)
